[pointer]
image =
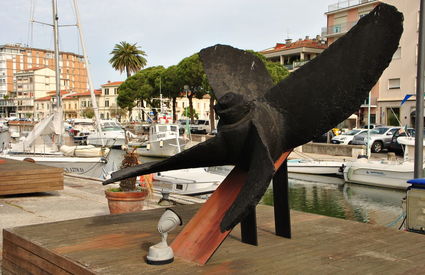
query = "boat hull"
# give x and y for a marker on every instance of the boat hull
(87, 167)
(381, 175)
(162, 148)
(329, 168)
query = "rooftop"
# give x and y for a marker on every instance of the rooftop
(316, 43)
(115, 83)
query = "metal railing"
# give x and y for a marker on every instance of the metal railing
(347, 3)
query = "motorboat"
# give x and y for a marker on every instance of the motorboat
(193, 181)
(112, 135)
(390, 173)
(384, 173)
(164, 141)
(80, 129)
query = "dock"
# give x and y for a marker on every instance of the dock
(118, 244)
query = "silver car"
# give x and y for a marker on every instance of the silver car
(380, 138)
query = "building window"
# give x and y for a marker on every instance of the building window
(397, 54)
(106, 91)
(115, 91)
(106, 103)
(394, 83)
(83, 104)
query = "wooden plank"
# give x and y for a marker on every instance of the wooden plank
(201, 237)
(31, 190)
(34, 182)
(19, 177)
(30, 261)
(9, 268)
(65, 264)
(28, 178)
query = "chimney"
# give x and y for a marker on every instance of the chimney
(307, 37)
(288, 41)
(109, 81)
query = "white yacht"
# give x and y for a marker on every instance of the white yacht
(112, 135)
(164, 141)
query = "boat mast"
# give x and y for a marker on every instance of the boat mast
(56, 43)
(419, 123)
(93, 97)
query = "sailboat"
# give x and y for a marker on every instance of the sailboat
(45, 143)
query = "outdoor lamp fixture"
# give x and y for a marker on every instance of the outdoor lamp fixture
(161, 253)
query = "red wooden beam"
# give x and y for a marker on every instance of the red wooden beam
(201, 236)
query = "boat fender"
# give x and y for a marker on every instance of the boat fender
(148, 146)
(161, 143)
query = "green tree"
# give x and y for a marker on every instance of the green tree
(127, 94)
(172, 87)
(88, 112)
(128, 57)
(191, 73)
(276, 70)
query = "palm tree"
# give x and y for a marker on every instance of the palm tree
(128, 57)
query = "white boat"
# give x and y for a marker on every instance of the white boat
(193, 181)
(80, 129)
(164, 141)
(317, 167)
(384, 173)
(113, 135)
(38, 146)
(379, 173)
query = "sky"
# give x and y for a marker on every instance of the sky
(167, 30)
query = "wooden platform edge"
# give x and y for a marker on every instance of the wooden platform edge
(201, 237)
(19, 255)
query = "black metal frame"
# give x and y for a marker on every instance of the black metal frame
(282, 216)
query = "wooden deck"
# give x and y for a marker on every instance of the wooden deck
(17, 177)
(118, 244)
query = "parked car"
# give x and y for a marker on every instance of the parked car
(200, 126)
(380, 138)
(347, 137)
(397, 147)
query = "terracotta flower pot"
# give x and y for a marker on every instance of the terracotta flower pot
(124, 202)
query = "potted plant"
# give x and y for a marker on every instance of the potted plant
(128, 197)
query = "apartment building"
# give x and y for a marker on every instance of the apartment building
(293, 55)
(15, 58)
(108, 107)
(399, 79)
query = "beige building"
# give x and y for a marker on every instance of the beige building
(399, 79)
(15, 58)
(108, 107)
(31, 84)
(201, 107)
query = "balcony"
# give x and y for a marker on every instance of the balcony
(346, 4)
(338, 29)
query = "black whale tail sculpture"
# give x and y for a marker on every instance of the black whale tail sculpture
(258, 122)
